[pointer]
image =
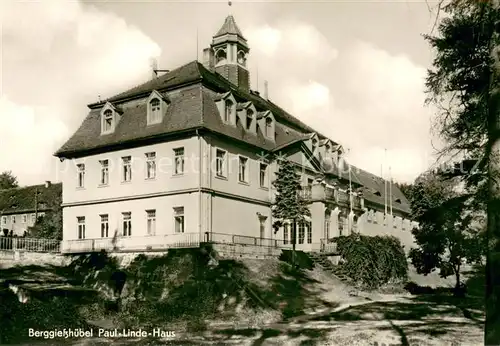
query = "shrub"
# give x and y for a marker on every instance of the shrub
(373, 261)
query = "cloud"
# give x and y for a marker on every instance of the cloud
(361, 96)
(59, 57)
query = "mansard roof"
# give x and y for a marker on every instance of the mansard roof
(193, 91)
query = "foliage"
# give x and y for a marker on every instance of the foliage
(459, 81)
(450, 232)
(372, 261)
(289, 204)
(405, 189)
(8, 180)
(50, 225)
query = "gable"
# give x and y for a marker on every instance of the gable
(298, 155)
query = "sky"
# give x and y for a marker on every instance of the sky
(354, 70)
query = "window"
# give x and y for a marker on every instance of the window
(127, 224)
(179, 161)
(127, 168)
(154, 111)
(301, 232)
(227, 110)
(327, 229)
(314, 145)
(81, 174)
(309, 233)
(269, 127)
(104, 226)
(104, 172)
(241, 58)
(150, 165)
(151, 222)
(25, 218)
(262, 227)
(13, 218)
(220, 56)
(81, 227)
(179, 219)
(220, 163)
(4, 220)
(327, 149)
(263, 175)
(107, 125)
(33, 218)
(249, 118)
(243, 169)
(341, 224)
(286, 233)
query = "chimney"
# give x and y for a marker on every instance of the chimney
(208, 59)
(265, 96)
(48, 183)
(154, 67)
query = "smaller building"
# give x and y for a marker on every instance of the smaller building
(21, 207)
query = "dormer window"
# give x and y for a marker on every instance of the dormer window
(398, 200)
(107, 125)
(377, 193)
(154, 111)
(314, 145)
(228, 108)
(156, 105)
(328, 149)
(269, 127)
(249, 119)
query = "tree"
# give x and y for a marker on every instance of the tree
(290, 204)
(7, 180)
(49, 225)
(405, 189)
(450, 233)
(464, 85)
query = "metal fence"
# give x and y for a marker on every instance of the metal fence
(29, 244)
(325, 245)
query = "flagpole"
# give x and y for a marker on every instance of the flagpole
(350, 182)
(385, 185)
(390, 189)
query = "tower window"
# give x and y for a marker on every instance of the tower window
(242, 59)
(220, 56)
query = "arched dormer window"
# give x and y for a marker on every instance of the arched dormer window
(269, 127)
(109, 118)
(228, 109)
(220, 56)
(156, 107)
(249, 119)
(155, 111)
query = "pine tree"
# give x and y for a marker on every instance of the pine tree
(289, 205)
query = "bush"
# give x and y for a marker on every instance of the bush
(373, 261)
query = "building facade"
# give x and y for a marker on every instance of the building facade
(21, 207)
(190, 156)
